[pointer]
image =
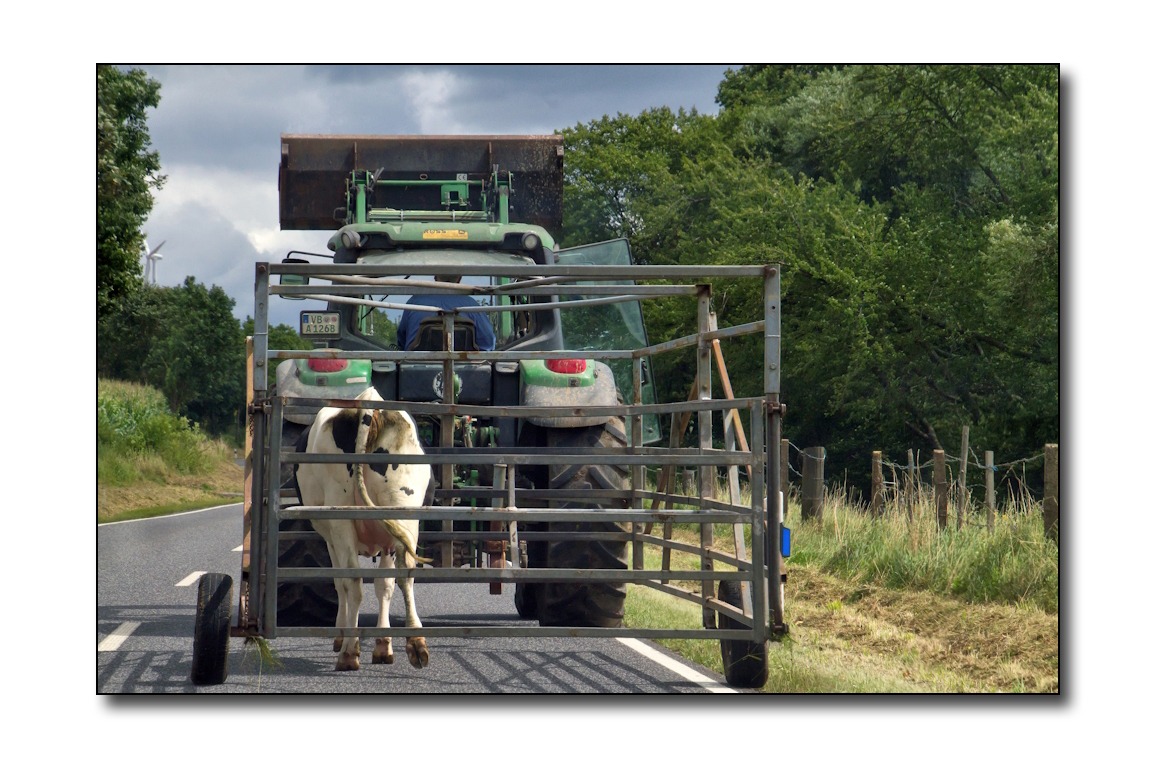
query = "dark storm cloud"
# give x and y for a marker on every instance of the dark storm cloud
(232, 116)
(541, 99)
(218, 129)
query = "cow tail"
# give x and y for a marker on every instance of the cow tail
(368, 431)
(370, 422)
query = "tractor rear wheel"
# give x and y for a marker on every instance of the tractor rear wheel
(592, 604)
(302, 603)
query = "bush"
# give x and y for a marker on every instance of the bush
(135, 429)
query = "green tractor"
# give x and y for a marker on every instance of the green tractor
(464, 201)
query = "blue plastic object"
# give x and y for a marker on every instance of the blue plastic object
(785, 542)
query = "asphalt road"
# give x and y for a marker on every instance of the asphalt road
(147, 593)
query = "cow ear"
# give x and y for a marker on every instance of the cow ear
(429, 499)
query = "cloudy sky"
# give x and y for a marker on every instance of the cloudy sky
(218, 133)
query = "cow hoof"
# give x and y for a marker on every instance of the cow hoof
(347, 662)
(383, 651)
(337, 644)
(417, 651)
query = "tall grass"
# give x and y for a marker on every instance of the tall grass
(1015, 564)
(139, 438)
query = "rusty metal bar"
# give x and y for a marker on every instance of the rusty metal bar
(515, 557)
(447, 427)
(272, 521)
(638, 473)
(709, 604)
(390, 305)
(774, 555)
(498, 488)
(766, 561)
(515, 411)
(580, 272)
(606, 456)
(515, 631)
(758, 532)
(481, 575)
(466, 513)
(706, 473)
(420, 286)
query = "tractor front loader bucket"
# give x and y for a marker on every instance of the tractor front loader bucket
(315, 168)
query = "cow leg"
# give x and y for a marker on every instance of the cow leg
(347, 657)
(416, 649)
(343, 554)
(384, 588)
(341, 614)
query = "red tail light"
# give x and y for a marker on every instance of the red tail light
(567, 365)
(327, 365)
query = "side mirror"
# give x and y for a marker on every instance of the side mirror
(294, 279)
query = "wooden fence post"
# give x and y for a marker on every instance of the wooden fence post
(1052, 515)
(940, 485)
(812, 494)
(784, 469)
(877, 483)
(990, 489)
(908, 488)
(962, 495)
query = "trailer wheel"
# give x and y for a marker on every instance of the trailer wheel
(744, 662)
(302, 603)
(211, 629)
(593, 604)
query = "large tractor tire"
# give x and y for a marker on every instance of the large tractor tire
(302, 603)
(593, 604)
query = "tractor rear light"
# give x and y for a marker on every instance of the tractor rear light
(327, 365)
(567, 365)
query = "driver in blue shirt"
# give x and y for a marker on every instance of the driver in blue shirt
(408, 326)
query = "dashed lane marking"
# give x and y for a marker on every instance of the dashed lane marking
(190, 579)
(119, 635)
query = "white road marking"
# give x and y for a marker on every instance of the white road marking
(240, 548)
(190, 579)
(686, 672)
(119, 635)
(169, 515)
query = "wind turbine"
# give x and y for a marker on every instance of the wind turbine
(151, 258)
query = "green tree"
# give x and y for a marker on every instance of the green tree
(198, 361)
(281, 337)
(126, 171)
(914, 212)
(125, 334)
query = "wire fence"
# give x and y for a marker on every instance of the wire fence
(907, 485)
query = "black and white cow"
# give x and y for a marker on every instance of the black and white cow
(346, 430)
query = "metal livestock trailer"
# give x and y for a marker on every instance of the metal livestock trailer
(744, 614)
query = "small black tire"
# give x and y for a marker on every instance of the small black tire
(744, 662)
(302, 603)
(593, 604)
(211, 629)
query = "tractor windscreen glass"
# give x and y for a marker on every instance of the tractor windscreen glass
(382, 325)
(611, 326)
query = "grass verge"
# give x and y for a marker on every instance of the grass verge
(151, 462)
(857, 626)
